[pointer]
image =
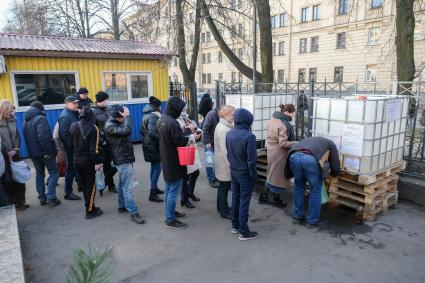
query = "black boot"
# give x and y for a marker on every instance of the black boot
(187, 203)
(277, 202)
(112, 189)
(154, 198)
(264, 198)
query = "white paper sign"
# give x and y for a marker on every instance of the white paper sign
(233, 100)
(352, 139)
(335, 138)
(352, 163)
(393, 109)
(248, 103)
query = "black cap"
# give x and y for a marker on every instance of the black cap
(155, 101)
(116, 110)
(37, 104)
(101, 96)
(83, 90)
(71, 98)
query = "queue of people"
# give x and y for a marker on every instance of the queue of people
(97, 137)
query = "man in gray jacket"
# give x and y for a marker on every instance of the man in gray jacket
(208, 128)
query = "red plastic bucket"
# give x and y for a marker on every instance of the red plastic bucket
(186, 155)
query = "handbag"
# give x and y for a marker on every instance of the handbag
(21, 172)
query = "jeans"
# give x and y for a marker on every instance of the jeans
(275, 189)
(170, 198)
(69, 174)
(125, 186)
(188, 185)
(154, 176)
(242, 186)
(306, 169)
(222, 194)
(210, 172)
(40, 164)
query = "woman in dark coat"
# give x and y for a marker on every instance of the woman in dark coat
(10, 142)
(149, 132)
(205, 105)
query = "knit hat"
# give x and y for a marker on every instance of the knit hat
(101, 96)
(116, 110)
(155, 101)
(38, 105)
(83, 90)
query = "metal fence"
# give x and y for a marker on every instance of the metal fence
(188, 93)
(414, 151)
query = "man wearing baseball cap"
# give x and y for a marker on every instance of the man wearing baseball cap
(83, 98)
(68, 116)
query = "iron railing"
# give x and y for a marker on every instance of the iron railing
(189, 94)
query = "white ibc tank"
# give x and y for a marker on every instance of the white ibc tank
(262, 106)
(369, 131)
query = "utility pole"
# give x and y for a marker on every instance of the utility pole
(254, 47)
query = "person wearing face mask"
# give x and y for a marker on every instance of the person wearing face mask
(221, 163)
(102, 112)
(83, 98)
(280, 138)
(68, 116)
(42, 151)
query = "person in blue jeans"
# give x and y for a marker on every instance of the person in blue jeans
(242, 155)
(42, 151)
(208, 127)
(118, 134)
(170, 138)
(310, 161)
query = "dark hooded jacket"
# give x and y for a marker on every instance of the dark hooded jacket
(83, 102)
(37, 134)
(118, 136)
(101, 115)
(205, 105)
(149, 132)
(208, 126)
(66, 118)
(170, 137)
(241, 146)
(84, 137)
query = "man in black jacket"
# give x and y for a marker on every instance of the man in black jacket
(83, 98)
(84, 140)
(208, 129)
(102, 112)
(68, 116)
(118, 133)
(42, 151)
(310, 161)
(170, 137)
(149, 132)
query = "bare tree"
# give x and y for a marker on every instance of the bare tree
(405, 26)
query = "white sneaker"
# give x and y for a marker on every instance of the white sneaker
(234, 231)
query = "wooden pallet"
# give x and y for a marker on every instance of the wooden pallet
(262, 167)
(372, 178)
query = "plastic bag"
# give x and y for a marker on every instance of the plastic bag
(325, 197)
(209, 158)
(21, 172)
(197, 165)
(135, 183)
(100, 180)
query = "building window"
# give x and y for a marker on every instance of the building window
(220, 76)
(339, 74)
(370, 73)
(233, 77)
(204, 78)
(377, 4)
(175, 62)
(301, 75)
(240, 78)
(316, 12)
(204, 58)
(203, 37)
(343, 7)
(341, 40)
(373, 36)
(209, 80)
(233, 31)
(273, 21)
(282, 48)
(312, 75)
(314, 44)
(240, 53)
(280, 76)
(303, 45)
(208, 58)
(190, 17)
(283, 20)
(127, 86)
(241, 33)
(274, 49)
(304, 15)
(208, 35)
(48, 88)
(220, 56)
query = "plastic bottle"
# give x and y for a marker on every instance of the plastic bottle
(209, 158)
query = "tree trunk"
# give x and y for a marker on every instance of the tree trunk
(405, 25)
(241, 66)
(115, 19)
(263, 11)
